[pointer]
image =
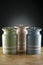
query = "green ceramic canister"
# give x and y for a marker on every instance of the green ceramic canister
(34, 40)
(9, 40)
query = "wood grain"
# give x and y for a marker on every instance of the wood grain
(21, 59)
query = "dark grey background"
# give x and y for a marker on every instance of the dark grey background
(21, 12)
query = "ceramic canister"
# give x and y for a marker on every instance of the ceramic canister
(21, 32)
(9, 40)
(34, 41)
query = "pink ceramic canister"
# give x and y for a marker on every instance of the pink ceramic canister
(21, 32)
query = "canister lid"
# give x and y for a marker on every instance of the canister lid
(34, 29)
(8, 29)
(21, 26)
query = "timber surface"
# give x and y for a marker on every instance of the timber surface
(21, 59)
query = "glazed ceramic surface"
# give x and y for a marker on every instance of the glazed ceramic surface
(21, 32)
(9, 40)
(34, 41)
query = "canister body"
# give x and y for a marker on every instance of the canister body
(21, 31)
(34, 43)
(21, 43)
(9, 42)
